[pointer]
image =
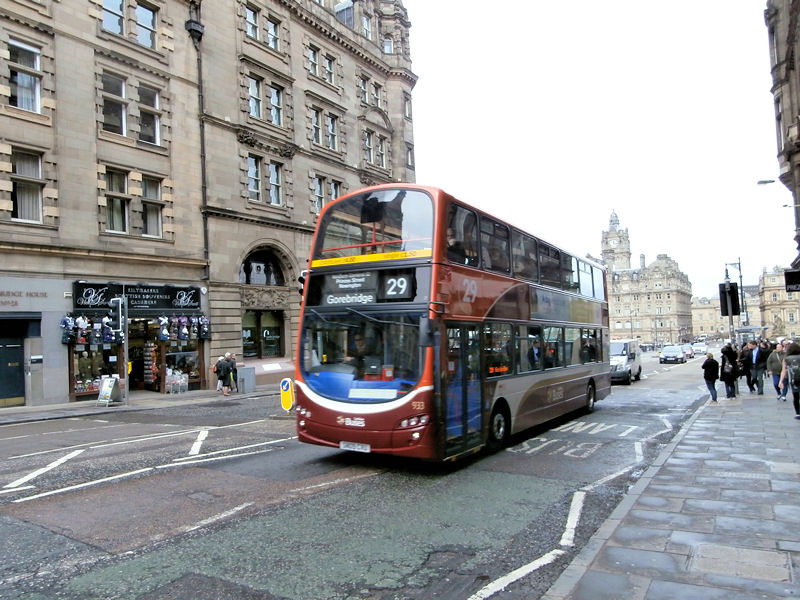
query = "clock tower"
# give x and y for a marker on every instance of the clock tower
(616, 247)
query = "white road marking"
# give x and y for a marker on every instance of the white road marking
(202, 460)
(49, 467)
(637, 446)
(217, 517)
(84, 485)
(16, 489)
(575, 508)
(498, 585)
(198, 443)
(236, 448)
(607, 478)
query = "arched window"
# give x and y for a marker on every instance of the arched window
(388, 45)
(261, 267)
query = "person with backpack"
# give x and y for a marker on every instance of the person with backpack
(729, 372)
(790, 375)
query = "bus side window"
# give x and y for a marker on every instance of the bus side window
(499, 350)
(525, 262)
(530, 348)
(462, 224)
(553, 353)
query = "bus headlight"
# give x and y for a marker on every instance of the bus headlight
(414, 421)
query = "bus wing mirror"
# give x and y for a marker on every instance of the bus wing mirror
(426, 327)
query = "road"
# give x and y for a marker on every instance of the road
(219, 500)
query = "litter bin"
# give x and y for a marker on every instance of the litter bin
(246, 379)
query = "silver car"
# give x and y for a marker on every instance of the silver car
(671, 354)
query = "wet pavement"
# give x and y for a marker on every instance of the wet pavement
(717, 515)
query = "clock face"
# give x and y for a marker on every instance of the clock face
(613, 243)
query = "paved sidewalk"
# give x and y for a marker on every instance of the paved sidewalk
(717, 515)
(138, 401)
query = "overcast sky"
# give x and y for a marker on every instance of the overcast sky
(551, 114)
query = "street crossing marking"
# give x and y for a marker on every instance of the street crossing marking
(49, 467)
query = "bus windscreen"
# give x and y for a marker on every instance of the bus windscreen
(397, 223)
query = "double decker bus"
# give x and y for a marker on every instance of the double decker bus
(430, 329)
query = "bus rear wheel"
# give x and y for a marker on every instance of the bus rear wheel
(499, 428)
(591, 397)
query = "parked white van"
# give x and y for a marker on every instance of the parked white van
(626, 361)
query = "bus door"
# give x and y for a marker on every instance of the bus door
(462, 389)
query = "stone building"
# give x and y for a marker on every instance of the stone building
(179, 155)
(782, 22)
(650, 303)
(779, 310)
(707, 319)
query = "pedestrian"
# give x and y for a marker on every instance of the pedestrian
(711, 374)
(790, 375)
(760, 355)
(746, 358)
(729, 372)
(234, 373)
(774, 365)
(224, 375)
(215, 370)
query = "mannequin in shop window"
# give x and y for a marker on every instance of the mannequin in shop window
(97, 364)
(84, 366)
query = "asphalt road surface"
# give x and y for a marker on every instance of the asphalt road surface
(219, 500)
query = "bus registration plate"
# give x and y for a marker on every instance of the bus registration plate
(354, 446)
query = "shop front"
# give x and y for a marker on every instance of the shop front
(166, 330)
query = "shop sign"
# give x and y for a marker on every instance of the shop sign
(94, 298)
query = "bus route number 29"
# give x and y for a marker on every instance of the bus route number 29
(470, 291)
(397, 287)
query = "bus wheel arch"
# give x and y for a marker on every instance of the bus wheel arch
(591, 396)
(499, 426)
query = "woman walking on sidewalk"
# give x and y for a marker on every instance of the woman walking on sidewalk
(711, 374)
(790, 375)
(729, 372)
(774, 367)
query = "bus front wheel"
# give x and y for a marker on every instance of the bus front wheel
(499, 427)
(591, 397)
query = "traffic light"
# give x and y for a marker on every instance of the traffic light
(302, 280)
(115, 314)
(729, 292)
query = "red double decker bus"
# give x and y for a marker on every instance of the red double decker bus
(431, 329)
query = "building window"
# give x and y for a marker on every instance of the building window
(328, 66)
(316, 126)
(262, 334)
(146, 25)
(25, 76)
(388, 45)
(344, 12)
(331, 125)
(114, 108)
(791, 317)
(363, 89)
(254, 92)
(149, 119)
(275, 183)
(273, 34)
(774, 297)
(113, 16)
(407, 107)
(276, 105)
(334, 189)
(368, 146)
(116, 201)
(380, 151)
(377, 89)
(313, 60)
(251, 16)
(409, 156)
(319, 193)
(254, 178)
(366, 26)
(26, 186)
(151, 207)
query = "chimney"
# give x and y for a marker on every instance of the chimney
(641, 261)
